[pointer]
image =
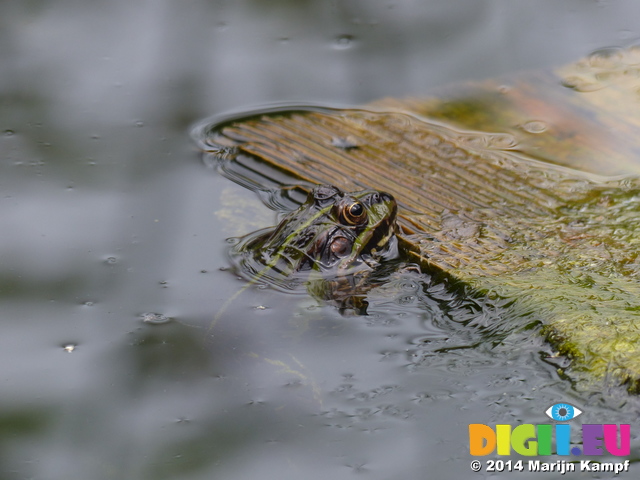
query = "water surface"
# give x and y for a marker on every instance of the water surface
(114, 237)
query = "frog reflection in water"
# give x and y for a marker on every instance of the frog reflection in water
(330, 244)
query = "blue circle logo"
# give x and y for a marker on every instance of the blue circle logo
(563, 412)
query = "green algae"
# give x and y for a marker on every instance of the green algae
(536, 218)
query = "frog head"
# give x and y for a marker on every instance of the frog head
(333, 233)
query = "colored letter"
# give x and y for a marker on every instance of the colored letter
(503, 432)
(523, 440)
(563, 438)
(592, 439)
(478, 435)
(610, 439)
(544, 439)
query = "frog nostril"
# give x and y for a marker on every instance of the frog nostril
(381, 197)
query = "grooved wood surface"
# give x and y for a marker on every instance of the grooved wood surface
(528, 190)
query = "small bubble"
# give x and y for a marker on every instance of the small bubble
(88, 304)
(342, 42)
(406, 300)
(111, 260)
(260, 307)
(500, 141)
(626, 34)
(580, 84)
(232, 240)
(9, 133)
(69, 348)
(139, 123)
(410, 286)
(203, 271)
(605, 57)
(534, 126)
(154, 318)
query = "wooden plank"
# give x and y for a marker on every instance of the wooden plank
(522, 187)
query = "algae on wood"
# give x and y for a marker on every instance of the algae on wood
(504, 185)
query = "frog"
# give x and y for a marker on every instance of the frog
(330, 244)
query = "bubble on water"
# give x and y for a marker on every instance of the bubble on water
(626, 34)
(261, 307)
(69, 348)
(139, 123)
(497, 141)
(405, 300)
(534, 126)
(88, 304)
(111, 260)
(9, 133)
(342, 42)
(501, 141)
(409, 286)
(154, 318)
(605, 57)
(580, 84)
(232, 240)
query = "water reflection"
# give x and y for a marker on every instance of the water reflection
(104, 198)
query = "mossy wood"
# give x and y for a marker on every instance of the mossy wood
(523, 187)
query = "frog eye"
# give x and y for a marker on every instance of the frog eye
(354, 213)
(563, 412)
(340, 247)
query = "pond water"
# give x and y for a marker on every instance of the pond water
(131, 350)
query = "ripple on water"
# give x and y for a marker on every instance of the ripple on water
(343, 42)
(154, 318)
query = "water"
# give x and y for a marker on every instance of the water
(108, 215)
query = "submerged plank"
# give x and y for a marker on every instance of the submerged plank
(522, 187)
